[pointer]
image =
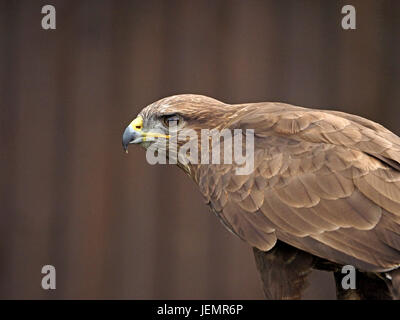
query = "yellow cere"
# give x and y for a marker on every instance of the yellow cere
(137, 124)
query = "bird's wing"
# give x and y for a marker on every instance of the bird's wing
(322, 182)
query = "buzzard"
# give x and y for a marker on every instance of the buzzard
(324, 190)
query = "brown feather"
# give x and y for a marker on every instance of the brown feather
(325, 182)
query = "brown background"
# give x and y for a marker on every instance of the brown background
(111, 224)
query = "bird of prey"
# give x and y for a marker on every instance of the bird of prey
(324, 191)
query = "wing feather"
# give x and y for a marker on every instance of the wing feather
(327, 183)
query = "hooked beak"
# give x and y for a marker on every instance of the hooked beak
(130, 136)
(134, 134)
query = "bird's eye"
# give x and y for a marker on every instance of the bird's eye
(171, 120)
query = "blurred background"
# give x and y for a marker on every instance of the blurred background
(111, 224)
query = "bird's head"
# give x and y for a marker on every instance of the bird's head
(160, 122)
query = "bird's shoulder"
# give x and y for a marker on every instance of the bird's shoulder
(289, 127)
